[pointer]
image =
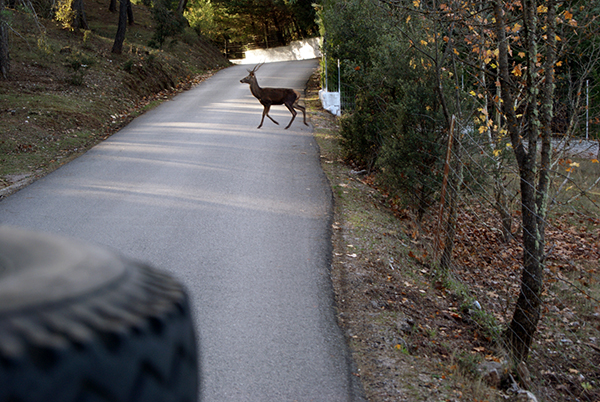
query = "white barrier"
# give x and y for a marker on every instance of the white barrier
(331, 102)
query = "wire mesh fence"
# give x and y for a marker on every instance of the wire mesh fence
(479, 212)
(347, 95)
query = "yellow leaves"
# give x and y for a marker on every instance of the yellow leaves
(423, 42)
(542, 9)
(567, 14)
(570, 164)
(455, 51)
(407, 19)
(517, 27)
(497, 152)
(488, 54)
(517, 70)
(521, 54)
(414, 63)
(594, 160)
(569, 17)
(416, 3)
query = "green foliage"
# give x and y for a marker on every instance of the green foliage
(201, 17)
(44, 45)
(79, 60)
(468, 364)
(168, 23)
(266, 23)
(87, 34)
(79, 63)
(351, 30)
(397, 126)
(360, 135)
(128, 65)
(6, 16)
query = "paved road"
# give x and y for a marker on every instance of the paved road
(240, 215)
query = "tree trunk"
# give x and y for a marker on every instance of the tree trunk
(527, 310)
(181, 6)
(129, 13)
(533, 195)
(112, 7)
(277, 25)
(80, 19)
(501, 206)
(4, 54)
(122, 28)
(453, 193)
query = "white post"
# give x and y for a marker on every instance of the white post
(339, 79)
(326, 90)
(587, 108)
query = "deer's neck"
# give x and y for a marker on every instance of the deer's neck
(255, 88)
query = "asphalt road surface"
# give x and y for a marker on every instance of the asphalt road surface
(241, 216)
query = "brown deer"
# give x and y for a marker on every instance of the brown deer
(273, 96)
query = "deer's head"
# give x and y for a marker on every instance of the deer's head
(251, 77)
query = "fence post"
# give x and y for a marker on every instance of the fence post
(339, 80)
(587, 108)
(438, 242)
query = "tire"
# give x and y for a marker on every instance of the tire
(78, 323)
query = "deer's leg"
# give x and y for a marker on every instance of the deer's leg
(297, 106)
(266, 113)
(293, 112)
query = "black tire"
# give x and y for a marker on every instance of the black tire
(78, 323)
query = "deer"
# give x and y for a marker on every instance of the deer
(273, 96)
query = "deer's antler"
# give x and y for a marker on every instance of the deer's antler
(255, 69)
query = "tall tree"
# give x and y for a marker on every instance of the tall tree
(4, 54)
(80, 21)
(525, 136)
(122, 28)
(112, 7)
